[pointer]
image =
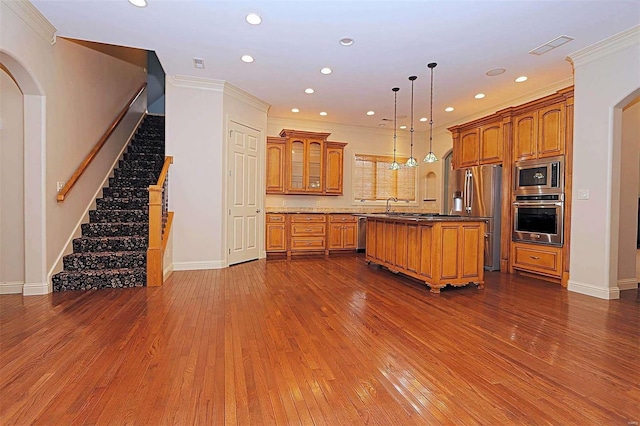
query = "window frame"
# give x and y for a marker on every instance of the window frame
(381, 201)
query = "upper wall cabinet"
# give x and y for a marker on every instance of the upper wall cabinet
(477, 144)
(301, 162)
(539, 133)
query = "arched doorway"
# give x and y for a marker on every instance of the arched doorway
(33, 137)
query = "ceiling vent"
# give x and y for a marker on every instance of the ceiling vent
(550, 45)
(198, 63)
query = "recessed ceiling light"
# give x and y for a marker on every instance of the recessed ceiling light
(295, 110)
(448, 109)
(198, 63)
(371, 112)
(323, 113)
(382, 125)
(247, 58)
(403, 127)
(521, 79)
(138, 3)
(346, 41)
(495, 71)
(309, 91)
(326, 70)
(253, 19)
(479, 96)
(423, 119)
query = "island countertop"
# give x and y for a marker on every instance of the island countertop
(430, 217)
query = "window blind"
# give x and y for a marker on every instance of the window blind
(373, 181)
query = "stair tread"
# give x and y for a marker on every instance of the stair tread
(105, 253)
(106, 271)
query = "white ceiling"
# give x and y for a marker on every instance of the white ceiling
(393, 40)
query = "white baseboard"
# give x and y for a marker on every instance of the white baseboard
(591, 290)
(11, 287)
(193, 266)
(628, 283)
(36, 289)
(167, 272)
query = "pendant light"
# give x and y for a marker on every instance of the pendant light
(431, 157)
(394, 165)
(412, 162)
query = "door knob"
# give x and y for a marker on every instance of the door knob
(258, 211)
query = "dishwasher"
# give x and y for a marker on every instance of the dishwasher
(362, 234)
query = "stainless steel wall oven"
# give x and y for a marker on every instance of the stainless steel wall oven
(539, 219)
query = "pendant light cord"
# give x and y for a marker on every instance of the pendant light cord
(395, 115)
(412, 78)
(431, 112)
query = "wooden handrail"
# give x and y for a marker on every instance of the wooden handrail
(157, 239)
(87, 161)
(168, 160)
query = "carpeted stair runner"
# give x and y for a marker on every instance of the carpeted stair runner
(112, 251)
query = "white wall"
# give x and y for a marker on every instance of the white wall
(630, 176)
(193, 128)
(11, 186)
(607, 77)
(75, 90)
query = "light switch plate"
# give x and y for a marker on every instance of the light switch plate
(60, 185)
(583, 194)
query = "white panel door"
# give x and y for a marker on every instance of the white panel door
(244, 224)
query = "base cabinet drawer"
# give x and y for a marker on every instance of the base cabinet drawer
(307, 243)
(546, 260)
(310, 229)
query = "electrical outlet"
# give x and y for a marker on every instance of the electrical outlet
(60, 185)
(284, 203)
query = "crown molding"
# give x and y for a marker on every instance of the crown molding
(33, 18)
(196, 82)
(242, 96)
(606, 47)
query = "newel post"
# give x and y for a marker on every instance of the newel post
(154, 250)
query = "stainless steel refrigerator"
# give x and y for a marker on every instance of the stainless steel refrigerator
(477, 191)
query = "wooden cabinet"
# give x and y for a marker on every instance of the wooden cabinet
(436, 252)
(276, 149)
(276, 240)
(539, 133)
(536, 258)
(343, 232)
(307, 232)
(478, 144)
(334, 167)
(301, 162)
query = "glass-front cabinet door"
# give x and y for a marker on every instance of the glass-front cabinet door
(296, 182)
(314, 166)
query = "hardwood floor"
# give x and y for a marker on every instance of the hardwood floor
(320, 341)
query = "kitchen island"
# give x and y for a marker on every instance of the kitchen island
(438, 250)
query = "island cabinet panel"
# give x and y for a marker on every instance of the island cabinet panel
(413, 248)
(471, 238)
(438, 252)
(449, 267)
(426, 253)
(390, 243)
(401, 245)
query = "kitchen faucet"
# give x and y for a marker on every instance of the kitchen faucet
(394, 199)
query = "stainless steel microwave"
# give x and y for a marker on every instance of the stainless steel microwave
(543, 176)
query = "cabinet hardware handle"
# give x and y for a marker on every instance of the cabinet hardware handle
(534, 257)
(308, 230)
